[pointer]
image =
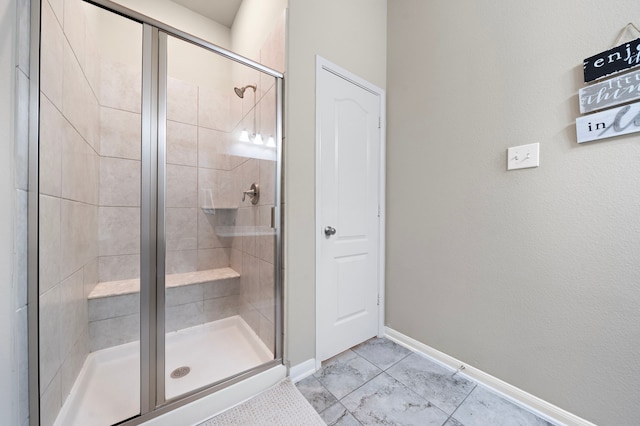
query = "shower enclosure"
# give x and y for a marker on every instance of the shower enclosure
(158, 215)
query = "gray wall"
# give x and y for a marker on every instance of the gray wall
(531, 275)
(351, 34)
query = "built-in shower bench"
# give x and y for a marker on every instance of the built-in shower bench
(191, 298)
(117, 288)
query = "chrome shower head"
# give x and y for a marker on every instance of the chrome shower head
(240, 90)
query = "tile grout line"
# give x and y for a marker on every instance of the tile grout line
(381, 372)
(462, 402)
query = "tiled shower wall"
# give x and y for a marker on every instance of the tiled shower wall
(253, 256)
(69, 176)
(198, 131)
(120, 172)
(202, 168)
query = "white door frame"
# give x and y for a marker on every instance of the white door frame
(324, 64)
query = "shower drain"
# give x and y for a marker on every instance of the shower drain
(180, 372)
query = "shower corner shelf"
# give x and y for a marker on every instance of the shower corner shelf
(213, 210)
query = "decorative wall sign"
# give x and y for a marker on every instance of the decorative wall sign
(609, 123)
(610, 93)
(613, 60)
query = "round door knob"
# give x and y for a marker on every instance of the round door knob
(328, 231)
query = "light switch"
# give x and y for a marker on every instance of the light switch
(523, 156)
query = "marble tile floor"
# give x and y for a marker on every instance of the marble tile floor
(382, 383)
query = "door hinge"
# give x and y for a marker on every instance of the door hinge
(379, 122)
(378, 299)
(378, 211)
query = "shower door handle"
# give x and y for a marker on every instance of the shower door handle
(329, 231)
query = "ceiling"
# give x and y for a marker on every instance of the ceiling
(221, 11)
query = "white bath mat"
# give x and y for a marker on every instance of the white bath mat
(282, 405)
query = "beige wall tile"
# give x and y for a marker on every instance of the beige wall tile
(221, 307)
(184, 316)
(267, 182)
(247, 220)
(112, 307)
(235, 110)
(52, 49)
(249, 314)
(236, 260)
(114, 268)
(267, 333)
(120, 133)
(74, 23)
(93, 119)
(182, 101)
(213, 108)
(50, 402)
(182, 186)
(80, 169)
(249, 280)
(263, 217)
(90, 276)
(78, 232)
(266, 248)
(213, 258)
(50, 335)
(214, 150)
(50, 244)
(53, 130)
(119, 182)
(184, 294)
(182, 229)
(223, 185)
(58, 9)
(113, 331)
(221, 288)
(73, 363)
(92, 56)
(119, 230)
(73, 312)
(75, 93)
(182, 144)
(266, 297)
(265, 240)
(181, 261)
(268, 108)
(207, 223)
(120, 86)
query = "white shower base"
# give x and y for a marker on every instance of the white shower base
(107, 389)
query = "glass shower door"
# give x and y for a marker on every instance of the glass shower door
(157, 219)
(219, 166)
(89, 216)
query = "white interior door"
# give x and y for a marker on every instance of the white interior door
(348, 221)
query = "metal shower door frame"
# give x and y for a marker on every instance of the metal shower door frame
(153, 204)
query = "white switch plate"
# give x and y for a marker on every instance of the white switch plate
(523, 156)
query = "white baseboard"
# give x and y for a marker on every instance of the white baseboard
(302, 370)
(519, 397)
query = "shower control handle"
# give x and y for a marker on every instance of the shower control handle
(329, 231)
(253, 193)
